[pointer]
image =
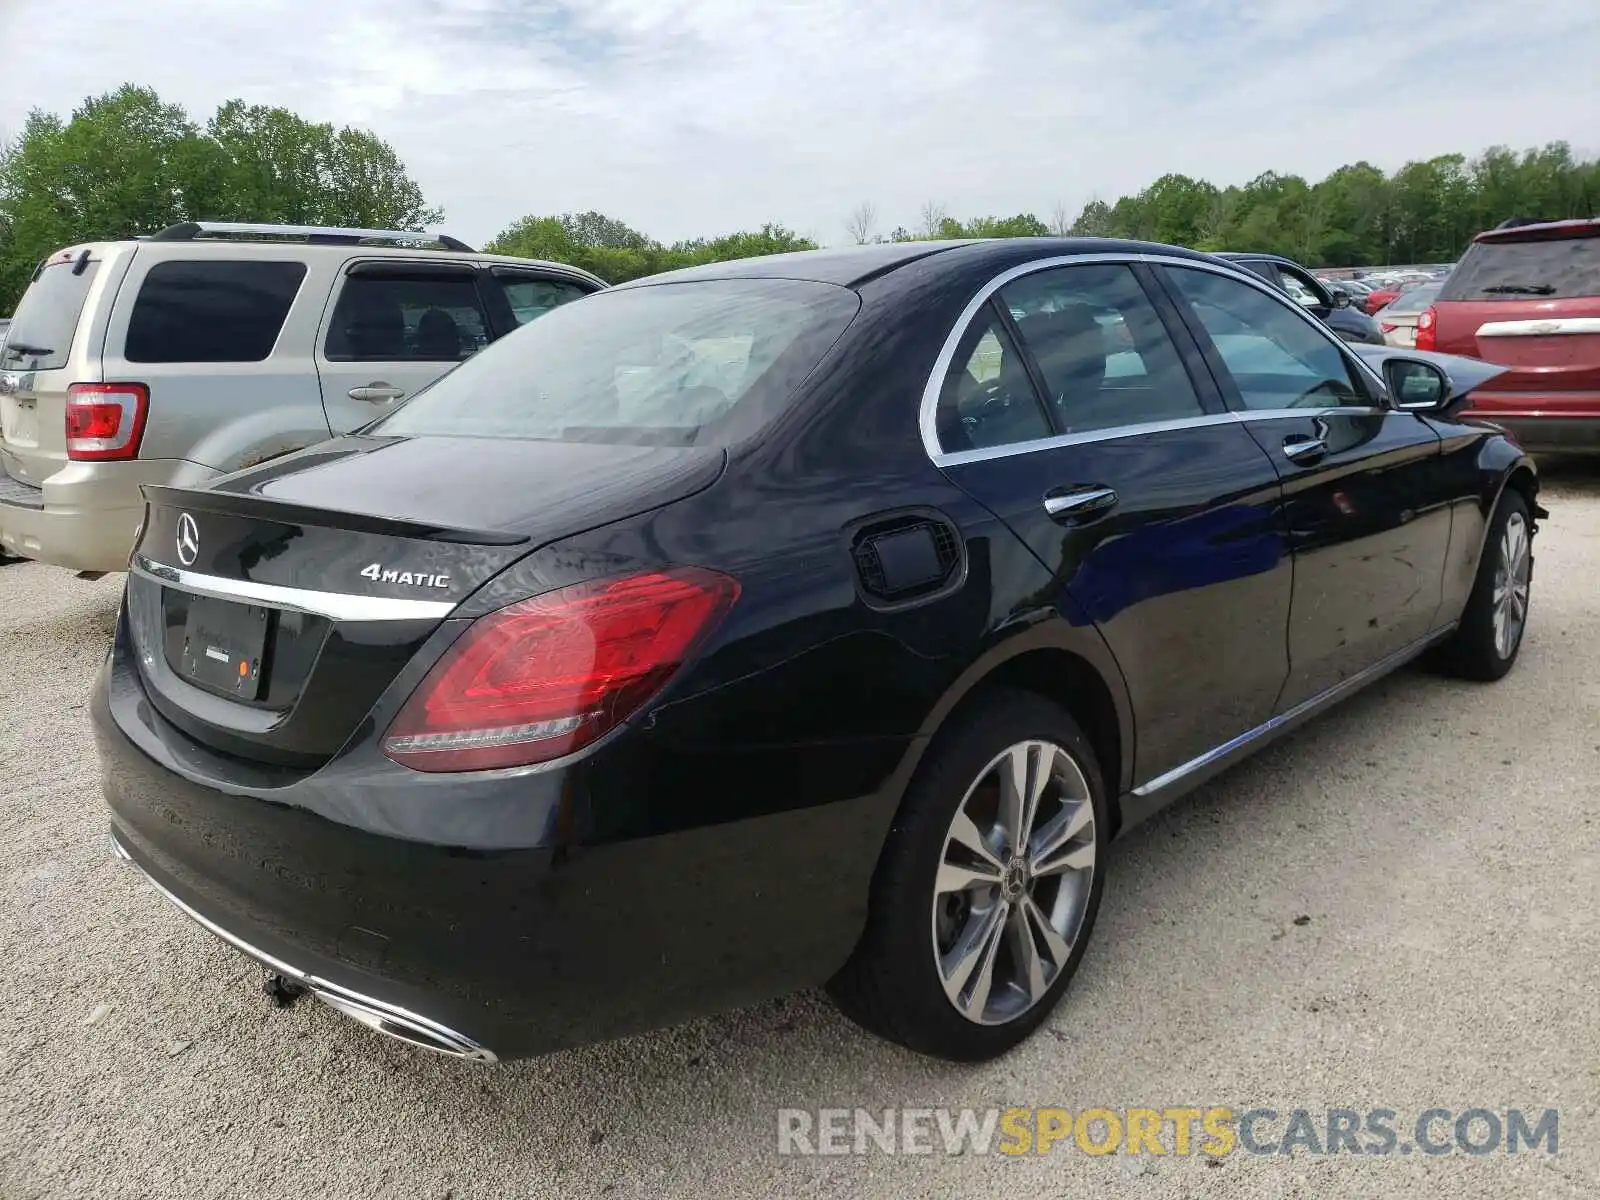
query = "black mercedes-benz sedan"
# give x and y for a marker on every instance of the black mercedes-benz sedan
(812, 619)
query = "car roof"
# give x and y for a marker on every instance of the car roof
(852, 266)
(267, 248)
(1536, 231)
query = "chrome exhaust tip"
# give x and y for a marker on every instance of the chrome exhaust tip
(404, 1026)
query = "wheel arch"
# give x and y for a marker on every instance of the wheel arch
(1522, 477)
(1066, 664)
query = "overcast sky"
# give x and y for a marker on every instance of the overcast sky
(689, 117)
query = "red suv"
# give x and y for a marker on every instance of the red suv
(1527, 296)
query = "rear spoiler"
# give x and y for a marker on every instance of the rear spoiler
(259, 508)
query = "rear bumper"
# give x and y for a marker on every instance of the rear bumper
(85, 516)
(498, 915)
(1565, 424)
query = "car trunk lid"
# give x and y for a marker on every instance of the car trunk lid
(270, 610)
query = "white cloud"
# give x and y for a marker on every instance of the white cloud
(688, 117)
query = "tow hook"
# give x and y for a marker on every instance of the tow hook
(282, 990)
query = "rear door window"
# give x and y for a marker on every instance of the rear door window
(1101, 348)
(40, 337)
(211, 311)
(987, 399)
(392, 316)
(1551, 268)
(532, 296)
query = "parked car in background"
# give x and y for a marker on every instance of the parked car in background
(1333, 307)
(1358, 291)
(663, 657)
(1398, 318)
(209, 347)
(1387, 293)
(1527, 296)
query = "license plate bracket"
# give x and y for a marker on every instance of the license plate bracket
(224, 644)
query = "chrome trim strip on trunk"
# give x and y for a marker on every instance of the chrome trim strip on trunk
(1539, 327)
(336, 606)
(409, 1027)
(1304, 708)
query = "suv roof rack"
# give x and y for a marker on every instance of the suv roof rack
(189, 231)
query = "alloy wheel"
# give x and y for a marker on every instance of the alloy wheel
(1511, 579)
(1014, 882)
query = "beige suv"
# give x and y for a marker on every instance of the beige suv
(210, 347)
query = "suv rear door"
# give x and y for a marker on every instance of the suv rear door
(393, 326)
(396, 325)
(1529, 299)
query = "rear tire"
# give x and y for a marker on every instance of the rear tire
(971, 939)
(1486, 643)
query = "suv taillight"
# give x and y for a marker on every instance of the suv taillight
(547, 676)
(1427, 330)
(105, 421)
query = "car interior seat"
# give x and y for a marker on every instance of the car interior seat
(438, 336)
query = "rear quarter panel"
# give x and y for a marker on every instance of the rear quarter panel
(225, 416)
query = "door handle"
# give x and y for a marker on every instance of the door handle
(1302, 449)
(377, 392)
(1079, 502)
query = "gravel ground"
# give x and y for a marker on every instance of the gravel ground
(1441, 838)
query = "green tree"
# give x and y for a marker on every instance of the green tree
(618, 253)
(278, 167)
(126, 163)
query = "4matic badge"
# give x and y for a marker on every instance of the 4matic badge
(379, 573)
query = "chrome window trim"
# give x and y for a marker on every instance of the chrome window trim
(928, 413)
(1117, 432)
(336, 606)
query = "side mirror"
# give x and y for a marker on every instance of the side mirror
(1416, 386)
(1341, 298)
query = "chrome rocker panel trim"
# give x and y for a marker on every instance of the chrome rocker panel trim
(1155, 793)
(388, 1019)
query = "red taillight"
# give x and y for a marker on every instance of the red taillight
(547, 676)
(1427, 330)
(105, 421)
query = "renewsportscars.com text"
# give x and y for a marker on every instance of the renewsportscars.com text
(1180, 1131)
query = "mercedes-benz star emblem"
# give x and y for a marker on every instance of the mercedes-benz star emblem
(188, 540)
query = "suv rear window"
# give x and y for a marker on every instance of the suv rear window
(211, 311)
(40, 337)
(1549, 268)
(669, 364)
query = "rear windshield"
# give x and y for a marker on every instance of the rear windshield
(1415, 300)
(40, 337)
(670, 364)
(1555, 268)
